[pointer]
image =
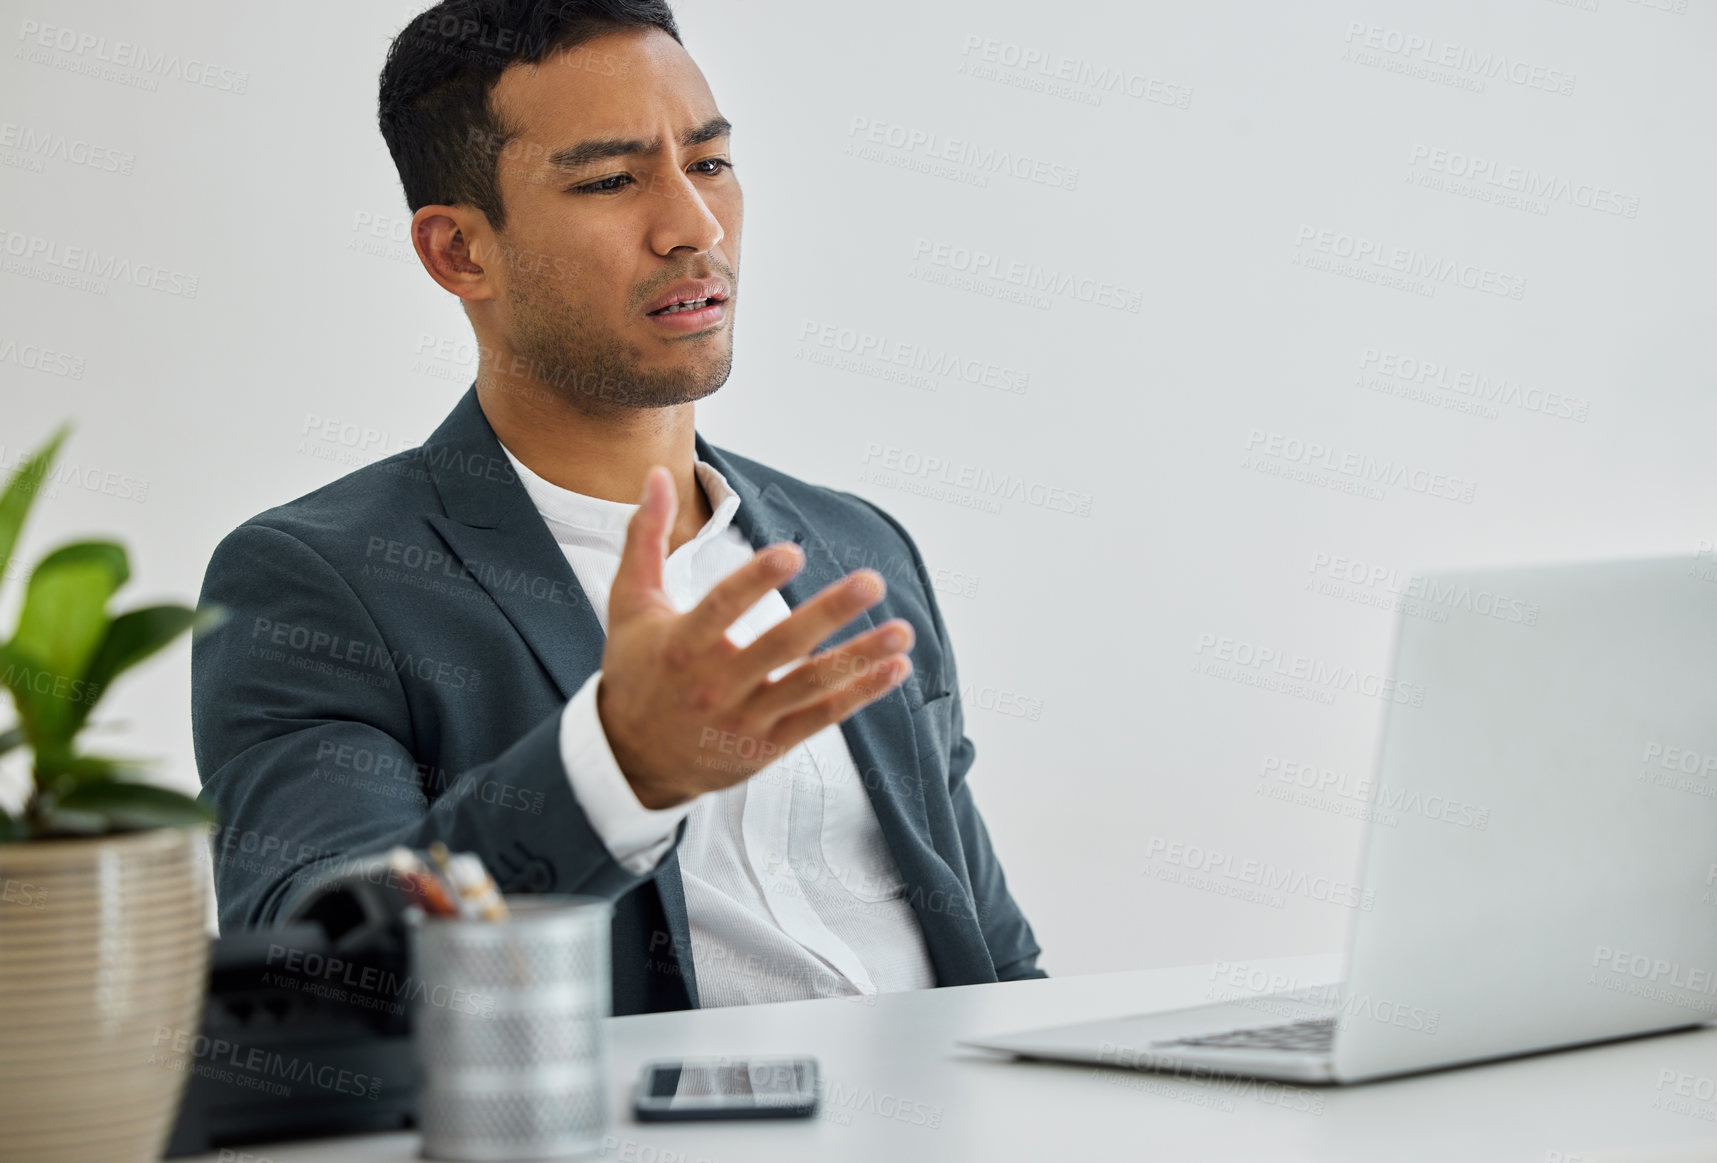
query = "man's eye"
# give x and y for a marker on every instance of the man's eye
(603, 186)
(606, 186)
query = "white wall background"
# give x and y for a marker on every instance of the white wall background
(314, 343)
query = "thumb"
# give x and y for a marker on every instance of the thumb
(639, 577)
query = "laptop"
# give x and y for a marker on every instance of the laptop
(1549, 878)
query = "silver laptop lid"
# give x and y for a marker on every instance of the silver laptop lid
(1551, 873)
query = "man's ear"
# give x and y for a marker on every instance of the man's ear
(452, 243)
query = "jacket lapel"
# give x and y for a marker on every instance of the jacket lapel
(880, 736)
(495, 529)
(505, 544)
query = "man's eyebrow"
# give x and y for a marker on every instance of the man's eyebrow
(601, 149)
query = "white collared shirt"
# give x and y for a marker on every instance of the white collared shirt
(791, 891)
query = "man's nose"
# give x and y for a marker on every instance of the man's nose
(682, 217)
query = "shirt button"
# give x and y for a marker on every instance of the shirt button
(535, 876)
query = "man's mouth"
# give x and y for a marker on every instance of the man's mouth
(687, 305)
(689, 296)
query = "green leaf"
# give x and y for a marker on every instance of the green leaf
(59, 771)
(11, 739)
(208, 617)
(21, 492)
(20, 675)
(130, 638)
(11, 828)
(63, 623)
(127, 806)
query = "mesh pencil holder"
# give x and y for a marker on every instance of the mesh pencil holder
(508, 1024)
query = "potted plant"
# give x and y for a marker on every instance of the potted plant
(103, 898)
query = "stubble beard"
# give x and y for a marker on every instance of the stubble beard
(594, 370)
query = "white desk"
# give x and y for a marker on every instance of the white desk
(891, 1068)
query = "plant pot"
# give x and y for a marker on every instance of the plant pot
(103, 966)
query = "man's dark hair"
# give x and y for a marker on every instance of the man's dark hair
(434, 107)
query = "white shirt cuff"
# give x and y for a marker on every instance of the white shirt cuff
(636, 836)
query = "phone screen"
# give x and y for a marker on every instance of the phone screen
(758, 1086)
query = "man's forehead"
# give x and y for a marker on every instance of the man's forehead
(614, 86)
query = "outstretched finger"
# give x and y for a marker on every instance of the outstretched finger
(855, 659)
(811, 621)
(807, 721)
(702, 626)
(639, 576)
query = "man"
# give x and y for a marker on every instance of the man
(484, 641)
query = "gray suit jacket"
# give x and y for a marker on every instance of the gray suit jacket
(402, 642)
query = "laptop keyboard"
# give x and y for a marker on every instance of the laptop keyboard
(1312, 1036)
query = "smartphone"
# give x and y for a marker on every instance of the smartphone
(727, 1088)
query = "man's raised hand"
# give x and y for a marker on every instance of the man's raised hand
(673, 684)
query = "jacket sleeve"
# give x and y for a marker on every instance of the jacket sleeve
(1013, 947)
(292, 697)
